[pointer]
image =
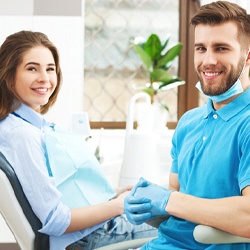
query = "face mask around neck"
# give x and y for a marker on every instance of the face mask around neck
(234, 90)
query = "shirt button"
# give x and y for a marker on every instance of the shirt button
(215, 116)
(204, 138)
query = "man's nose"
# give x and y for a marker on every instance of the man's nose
(209, 58)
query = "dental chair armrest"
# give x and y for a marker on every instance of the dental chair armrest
(210, 235)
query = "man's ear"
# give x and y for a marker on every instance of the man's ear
(248, 57)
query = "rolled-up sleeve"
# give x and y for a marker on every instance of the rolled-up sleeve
(62, 213)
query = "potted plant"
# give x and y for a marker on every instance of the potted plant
(157, 60)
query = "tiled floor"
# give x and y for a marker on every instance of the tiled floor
(9, 246)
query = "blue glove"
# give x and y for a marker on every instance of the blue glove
(158, 195)
(137, 209)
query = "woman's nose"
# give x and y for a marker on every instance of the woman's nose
(43, 76)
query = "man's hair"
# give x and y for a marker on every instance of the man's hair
(11, 56)
(222, 11)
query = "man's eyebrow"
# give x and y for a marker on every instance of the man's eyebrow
(214, 45)
(198, 44)
(221, 45)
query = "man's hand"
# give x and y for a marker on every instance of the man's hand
(156, 194)
(145, 201)
(137, 209)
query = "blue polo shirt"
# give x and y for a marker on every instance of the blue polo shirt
(211, 155)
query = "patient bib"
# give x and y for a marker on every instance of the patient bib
(75, 169)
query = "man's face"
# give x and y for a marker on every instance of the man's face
(218, 57)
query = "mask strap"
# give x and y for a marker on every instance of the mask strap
(244, 66)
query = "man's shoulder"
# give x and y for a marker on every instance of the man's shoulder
(198, 112)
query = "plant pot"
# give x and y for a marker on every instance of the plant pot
(160, 117)
(151, 117)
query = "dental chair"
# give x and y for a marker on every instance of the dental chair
(17, 211)
(210, 235)
(24, 224)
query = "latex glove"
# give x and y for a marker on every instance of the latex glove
(158, 195)
(137, 209)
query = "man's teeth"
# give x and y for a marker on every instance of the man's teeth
(211, 74)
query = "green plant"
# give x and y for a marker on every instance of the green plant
(157, 59)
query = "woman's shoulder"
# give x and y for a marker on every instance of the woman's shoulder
(12, 125)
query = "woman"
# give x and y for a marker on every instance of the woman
(30, 79)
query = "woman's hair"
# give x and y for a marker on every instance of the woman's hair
(11, 56)
(223, 11)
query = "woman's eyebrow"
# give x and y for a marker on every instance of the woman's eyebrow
(35, 63)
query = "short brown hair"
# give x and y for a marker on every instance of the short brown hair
(11, 55)
(223, 11)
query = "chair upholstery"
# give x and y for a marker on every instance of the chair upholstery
(17, 211)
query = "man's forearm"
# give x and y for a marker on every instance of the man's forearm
(228, 214)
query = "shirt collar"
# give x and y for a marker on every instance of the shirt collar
(232, 108)
(31, 116)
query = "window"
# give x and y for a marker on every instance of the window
(111, 67)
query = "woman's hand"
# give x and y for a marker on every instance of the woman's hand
(121, 193)
(120, 190)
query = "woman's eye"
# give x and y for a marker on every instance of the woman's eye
(51, 69)
(31, 68)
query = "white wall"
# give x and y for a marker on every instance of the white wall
(66, 32)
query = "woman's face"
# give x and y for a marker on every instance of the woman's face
(36, 77)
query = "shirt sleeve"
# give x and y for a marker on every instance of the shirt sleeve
(244, 154)
(24, 151)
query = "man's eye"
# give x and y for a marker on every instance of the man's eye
(200, 49)
(221, 49)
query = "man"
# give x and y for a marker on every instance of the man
(210, 175)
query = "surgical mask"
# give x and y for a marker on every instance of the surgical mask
(234, 90)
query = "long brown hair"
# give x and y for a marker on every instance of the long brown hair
(222, 11)
(11, 55)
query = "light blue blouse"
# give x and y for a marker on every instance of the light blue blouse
(22, 144)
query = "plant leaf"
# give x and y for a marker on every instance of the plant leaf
(139, 40)
(170, 55)
(161, 75)
(153, 47)
(148, 90)
(165, 43)
(143, 55)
